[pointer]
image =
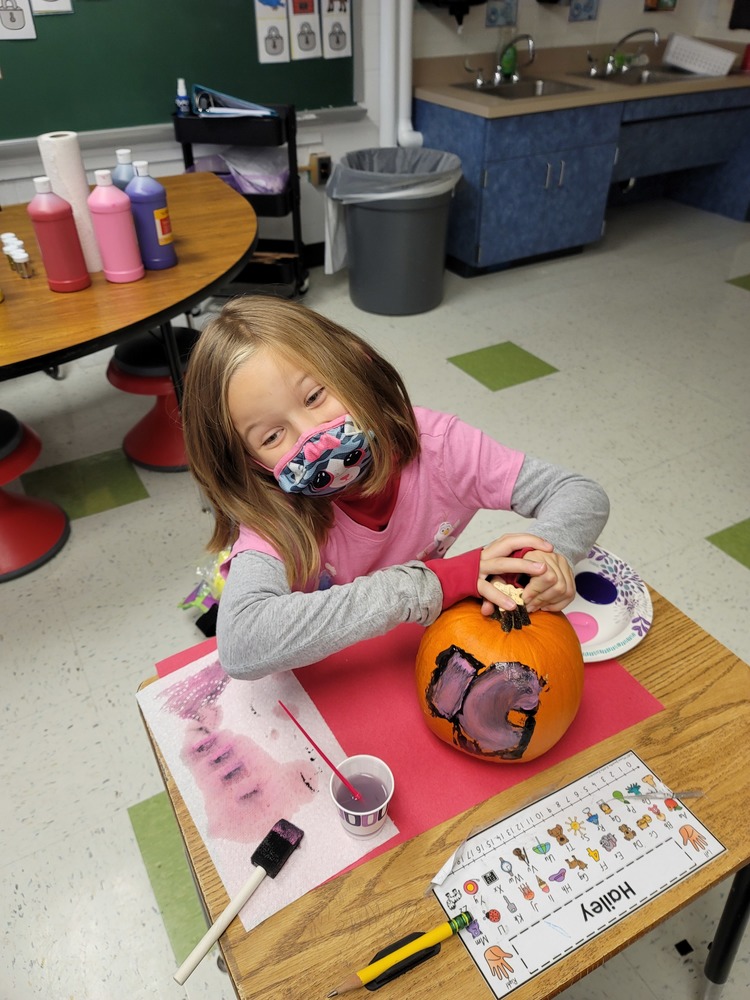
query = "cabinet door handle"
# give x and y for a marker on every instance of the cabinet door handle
(549, 176)
(561, 179)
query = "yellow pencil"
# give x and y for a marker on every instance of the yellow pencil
(358, 979)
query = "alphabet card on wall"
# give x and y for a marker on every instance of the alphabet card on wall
(272, 31)
(16, 21)
(543, 881)
(336, 28)
(304, 29)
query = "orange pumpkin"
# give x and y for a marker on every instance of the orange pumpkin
(502, 695)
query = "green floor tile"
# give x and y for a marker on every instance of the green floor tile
(163, 853)
(743, 282)
(502, 365)
(735, 541)
(87, 485)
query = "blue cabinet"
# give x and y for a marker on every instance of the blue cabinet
(544, 203)
(532, 184)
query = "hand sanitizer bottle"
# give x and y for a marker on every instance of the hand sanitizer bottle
(182, 101)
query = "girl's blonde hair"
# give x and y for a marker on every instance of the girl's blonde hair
(239, 491)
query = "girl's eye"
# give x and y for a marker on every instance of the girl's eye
(270, 440)
(315, 396)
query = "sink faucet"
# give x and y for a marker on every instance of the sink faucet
(506, 73)
(612, 66)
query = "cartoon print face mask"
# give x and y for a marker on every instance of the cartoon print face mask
(325, 460)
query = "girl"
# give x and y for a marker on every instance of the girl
(339, 499)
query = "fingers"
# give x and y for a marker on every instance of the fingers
(496, 598)
(554, 588)
(507, 544)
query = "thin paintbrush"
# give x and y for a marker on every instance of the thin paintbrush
(269, 858)
(315, 746)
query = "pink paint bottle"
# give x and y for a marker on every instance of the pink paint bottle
(114, 230)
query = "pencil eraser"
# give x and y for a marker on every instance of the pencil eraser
(274, 850)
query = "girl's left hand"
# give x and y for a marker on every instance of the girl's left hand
(552, 590)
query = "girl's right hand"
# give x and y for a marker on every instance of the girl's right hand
(496, 561)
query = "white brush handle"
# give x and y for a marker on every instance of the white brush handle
(216, 929)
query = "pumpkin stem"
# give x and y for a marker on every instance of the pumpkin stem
(511, 619)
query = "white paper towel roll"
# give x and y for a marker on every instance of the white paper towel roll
(63, 164)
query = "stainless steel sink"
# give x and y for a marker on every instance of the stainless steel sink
(642, 76)
(523, 88)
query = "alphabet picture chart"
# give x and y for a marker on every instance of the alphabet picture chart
(543, 881)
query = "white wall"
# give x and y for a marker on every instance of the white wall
(435, 34)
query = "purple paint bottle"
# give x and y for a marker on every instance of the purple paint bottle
(151, 216)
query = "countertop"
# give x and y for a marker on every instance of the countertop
(434, 79)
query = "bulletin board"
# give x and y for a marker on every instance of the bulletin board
(115, 63)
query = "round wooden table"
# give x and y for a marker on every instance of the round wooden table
(215, 234)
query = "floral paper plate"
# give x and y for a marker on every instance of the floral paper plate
(612, 609)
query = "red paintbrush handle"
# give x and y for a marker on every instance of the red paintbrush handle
(335, 770)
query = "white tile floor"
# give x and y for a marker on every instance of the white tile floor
(650, 398)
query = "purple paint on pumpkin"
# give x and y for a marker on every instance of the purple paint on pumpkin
(506, 688)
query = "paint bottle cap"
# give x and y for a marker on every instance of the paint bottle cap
(7, 237)
(123, 155)
(43, 185)
(103, 177)
(19, 256)
(141, 168)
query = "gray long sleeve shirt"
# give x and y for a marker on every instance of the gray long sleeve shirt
(264, 627)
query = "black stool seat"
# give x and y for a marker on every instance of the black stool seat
(11, 434)
(144, 354)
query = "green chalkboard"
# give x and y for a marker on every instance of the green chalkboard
(115, 63)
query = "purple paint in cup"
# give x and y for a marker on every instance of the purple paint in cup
(374, 781)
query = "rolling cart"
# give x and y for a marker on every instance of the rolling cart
(275, 262)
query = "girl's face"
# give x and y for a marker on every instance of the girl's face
(272, 403)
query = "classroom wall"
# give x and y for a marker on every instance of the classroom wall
(435, 34)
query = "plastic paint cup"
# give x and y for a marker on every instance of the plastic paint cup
(374, 781)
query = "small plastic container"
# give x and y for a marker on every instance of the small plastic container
(151, 215)
(23, 263)
(114, 230)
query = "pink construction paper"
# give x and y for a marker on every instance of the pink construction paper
(367, 696)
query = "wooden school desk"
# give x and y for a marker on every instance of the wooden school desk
(699, 740)
(215, 233)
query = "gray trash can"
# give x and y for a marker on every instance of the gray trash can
(396, 203)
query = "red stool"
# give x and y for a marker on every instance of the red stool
(139, 366)
(32, 531)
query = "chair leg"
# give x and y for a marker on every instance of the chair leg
(156, 441)
(728, 935)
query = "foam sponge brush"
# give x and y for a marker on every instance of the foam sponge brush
(269, 857)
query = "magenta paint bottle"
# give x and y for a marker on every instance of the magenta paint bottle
(149, 204)
(114, 230)
(57, 236)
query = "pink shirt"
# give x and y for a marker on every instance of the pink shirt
(459, 471)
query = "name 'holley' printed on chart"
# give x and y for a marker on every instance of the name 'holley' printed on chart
(542, 882)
